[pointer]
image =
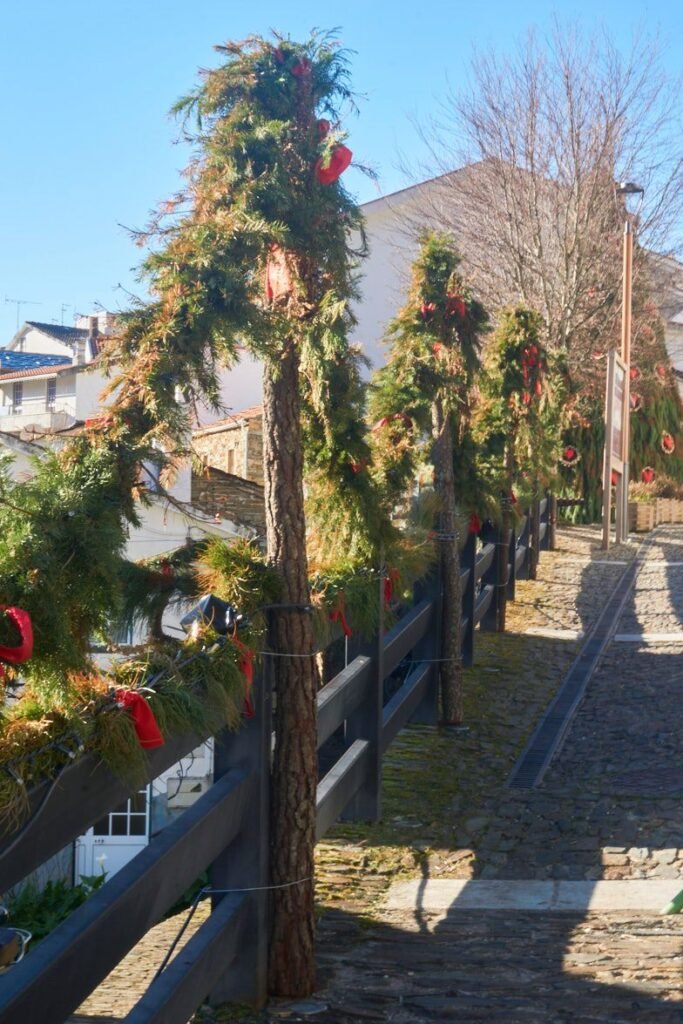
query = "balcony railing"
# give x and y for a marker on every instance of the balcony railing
(44, 415)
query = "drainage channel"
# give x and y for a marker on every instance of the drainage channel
(535, 759)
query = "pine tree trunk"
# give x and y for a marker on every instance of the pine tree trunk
(292, 951)
(450, 674)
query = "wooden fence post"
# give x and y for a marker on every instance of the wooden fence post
(535, 534)
(489, 535)
(246, 864)
(468, 558)
(366, 724)
(549, 542)
(428, 648)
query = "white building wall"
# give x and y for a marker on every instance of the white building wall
(88, 387)
(35, 341)
(392, 225)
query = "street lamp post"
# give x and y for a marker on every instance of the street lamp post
(627, 190)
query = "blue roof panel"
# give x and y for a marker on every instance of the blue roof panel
(28, 360)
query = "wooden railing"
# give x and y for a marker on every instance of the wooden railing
(226, 830)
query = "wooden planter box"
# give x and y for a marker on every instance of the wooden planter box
(663, 511)
(641, 516)
(676, 510)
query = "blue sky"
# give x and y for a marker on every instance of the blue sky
(87, 144)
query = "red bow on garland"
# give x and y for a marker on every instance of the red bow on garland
(302, 68)
(338, 615)
(146, 727)
(390, 580)
(647, 475)
(455, 306)
(246, 666)
(24, 650)
(339, 160)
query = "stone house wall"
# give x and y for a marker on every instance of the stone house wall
(240, 500)
(233, 446)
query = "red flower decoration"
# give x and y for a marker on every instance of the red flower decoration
(475, 523)
(661, 371)
(339, 160)
(570, 456)
(427, 309)
(634, 373)
(526, 398)
(668, 443)
(647, 475)
(635, 402)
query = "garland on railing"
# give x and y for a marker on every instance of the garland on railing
(198, 687)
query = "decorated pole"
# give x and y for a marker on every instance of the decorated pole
(422, 402)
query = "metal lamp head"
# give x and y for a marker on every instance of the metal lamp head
(632, 196)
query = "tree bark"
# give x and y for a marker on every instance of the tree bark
(294, 781)
(450, 674)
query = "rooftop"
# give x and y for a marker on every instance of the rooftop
(59, 331)
(252, 412)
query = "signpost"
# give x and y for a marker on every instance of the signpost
(614, 464)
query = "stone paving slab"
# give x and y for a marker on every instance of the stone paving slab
(445, 896)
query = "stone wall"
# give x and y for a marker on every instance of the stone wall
(236, 499)
(233, 446)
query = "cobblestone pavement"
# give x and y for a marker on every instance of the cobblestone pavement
(609, 807)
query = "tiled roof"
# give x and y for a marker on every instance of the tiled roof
(10, 361)
(252, 412)
(59, 331)
(38, 371)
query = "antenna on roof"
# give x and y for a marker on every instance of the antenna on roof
(65, 306)
(22, 302)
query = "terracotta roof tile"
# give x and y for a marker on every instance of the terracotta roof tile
(38, 371)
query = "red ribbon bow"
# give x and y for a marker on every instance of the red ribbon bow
(24, 650)
(246, 666)
(390, 580)
(337, 615)
(146, 727)
(340, 159)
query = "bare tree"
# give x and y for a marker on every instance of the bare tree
(540, 137)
